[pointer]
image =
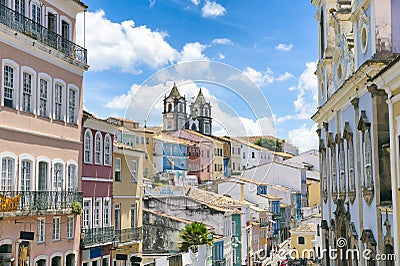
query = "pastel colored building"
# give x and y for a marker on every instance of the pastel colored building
(97, 186)
(40, 146)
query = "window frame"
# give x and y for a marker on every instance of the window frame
(15, 83)
(26, 158)
(58, 83)
(74, 180)
(108, 162)
(98, 152)
(41, 232)
(32, 103)
(56, 228)
(134, 171)
(117, 169)
(89, 148)
(12, 174)
(48, 107)
(70, 227)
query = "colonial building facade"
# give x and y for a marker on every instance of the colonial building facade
(40, 112)
(358, 40)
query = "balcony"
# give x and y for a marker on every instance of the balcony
(21, 202)
(28, 27)
(129, 235)
(97, 236)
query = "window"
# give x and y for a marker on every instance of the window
(58, 114)
(147, 140)
(58, 177)
(134, 170)
(43, 109)
(27, 92)
(234, 259)
(233, 166)
(142, 140)
(233, 228)
(133, 215)
(86, 214)
(26, 175)
(70, 227)
(253, 155)
(117, 170)
(324, 173)
(72, 184)
(106, 219)
(56, 228)
(72, 106)
(137, 140)
(97, 213)
(334, 170)
(36, 17)
(43, 176)
(20, 7)
(7, 174)
(9, 87)
(117, 216)
(98, 146)
(368, 182)
(88, 146)
(65, 41)
(244, 155)
(41, 229)
(342, 176)
(107, 150)
(350, 158)
(301, 240)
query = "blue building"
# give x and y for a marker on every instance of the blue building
(175, 156)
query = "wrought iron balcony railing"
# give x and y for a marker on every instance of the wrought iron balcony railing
(26, 26)
(133, 234)
(14, 201)
(97, 236)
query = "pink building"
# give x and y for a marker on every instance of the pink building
(40, 132)
(200, 157)
(97, 184)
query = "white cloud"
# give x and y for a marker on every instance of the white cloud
(259, 78)
(304, 138)
(146, 104)
(192, 52)
(196, 2)
(222, 41)
(305, 104)
(284, 47)
(221, 56)
(285, 76)
(213, 9)
(124, 45)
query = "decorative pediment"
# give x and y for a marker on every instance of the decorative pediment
(363, 123)
(347, 132)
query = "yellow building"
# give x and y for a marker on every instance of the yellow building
(127, 202)
(302, 240)
(313, 192)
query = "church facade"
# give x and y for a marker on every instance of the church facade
(358, 43)
(175, 116)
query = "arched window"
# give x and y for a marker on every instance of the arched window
(26, 175)
(107, 150)
(88, 144)
(58, 176)
(324, 173)
(7, 174)
(72, 180)
(98, 146)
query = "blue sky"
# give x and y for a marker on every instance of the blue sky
(274, 43)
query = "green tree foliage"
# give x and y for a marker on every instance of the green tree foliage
(193, 235)
(270, 144)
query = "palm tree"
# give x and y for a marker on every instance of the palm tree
(193, 235)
